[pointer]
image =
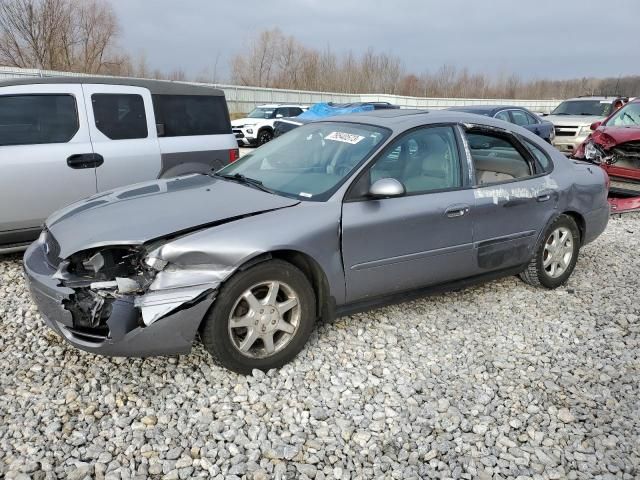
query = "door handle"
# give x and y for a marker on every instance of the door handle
(85, 160)
(456, 211)
(544, 196)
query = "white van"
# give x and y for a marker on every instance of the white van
(66, 138)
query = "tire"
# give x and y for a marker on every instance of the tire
(264, 136)
(551, 266)
(232, 324)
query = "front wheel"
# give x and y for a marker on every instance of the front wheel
(556, 256)
(261, 319)
(264, 136)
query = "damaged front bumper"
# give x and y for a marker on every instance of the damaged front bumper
(161, 321)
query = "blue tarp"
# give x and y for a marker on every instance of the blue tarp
(322, 110)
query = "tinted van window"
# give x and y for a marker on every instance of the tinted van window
(185, 115)
(37, 119)
(120, 116)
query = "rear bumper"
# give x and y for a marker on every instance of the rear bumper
(126, 335)
(595, 223)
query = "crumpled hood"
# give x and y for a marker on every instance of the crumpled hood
(619, 134)
(567, 120)
(138, 213)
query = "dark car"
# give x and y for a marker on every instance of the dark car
(325, 110)
(518, 115)
(338, 215)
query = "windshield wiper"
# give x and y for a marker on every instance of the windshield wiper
(238, 177)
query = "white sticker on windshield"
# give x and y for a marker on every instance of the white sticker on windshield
(344, 137)
(305, 194)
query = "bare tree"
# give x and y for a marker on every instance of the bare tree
(74, 35)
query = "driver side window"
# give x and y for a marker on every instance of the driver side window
(423, 160)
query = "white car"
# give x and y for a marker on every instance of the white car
(257, 127)
(66, 138)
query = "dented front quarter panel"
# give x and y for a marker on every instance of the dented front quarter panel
(310, 228)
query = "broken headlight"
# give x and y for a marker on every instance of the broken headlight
(592, 153)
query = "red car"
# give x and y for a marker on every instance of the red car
(614, 144)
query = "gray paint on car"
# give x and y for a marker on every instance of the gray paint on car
(363, 249)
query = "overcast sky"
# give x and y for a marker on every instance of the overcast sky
(534, 38)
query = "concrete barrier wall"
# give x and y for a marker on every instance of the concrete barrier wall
(243, 99)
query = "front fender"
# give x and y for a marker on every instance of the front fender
(310, 228)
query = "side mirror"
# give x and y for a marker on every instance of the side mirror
(595, 125)
(279, 115)
(387, 187)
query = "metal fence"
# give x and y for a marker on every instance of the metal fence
(244, 99)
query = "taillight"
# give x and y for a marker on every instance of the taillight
(234, 154)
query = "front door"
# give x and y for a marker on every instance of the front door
(421, 238)
(123, 133)
(43, 128)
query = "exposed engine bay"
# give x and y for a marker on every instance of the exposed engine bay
(140, 286)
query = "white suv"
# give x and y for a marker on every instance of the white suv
(257, 127)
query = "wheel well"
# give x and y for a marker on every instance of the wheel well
(266, 127)
(579, 219)
(311, 270)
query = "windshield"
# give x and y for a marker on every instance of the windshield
(628, 116)
(310, 162)
(262, 113)
(597, 108)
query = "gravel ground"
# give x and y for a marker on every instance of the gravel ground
(502, 380)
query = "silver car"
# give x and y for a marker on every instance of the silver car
(336, 216)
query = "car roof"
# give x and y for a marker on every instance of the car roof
(157, 87)
(485, 108)
(402, 119)
(278, 105)
(611, 98)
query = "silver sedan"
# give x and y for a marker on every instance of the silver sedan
(335, 216)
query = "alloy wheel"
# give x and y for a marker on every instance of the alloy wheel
(558, 252)
(264, 319)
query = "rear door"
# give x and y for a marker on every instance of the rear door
(123, 132)
(43, 128)
(422, 238)
(515, 197)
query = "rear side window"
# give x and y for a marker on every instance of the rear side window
(496, 159)
(503, 115)
(37, 119)
(120, 116)
(186, 115)
(520, 117)
(543, 158)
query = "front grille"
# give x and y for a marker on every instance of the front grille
(51, 249)
(566, 131)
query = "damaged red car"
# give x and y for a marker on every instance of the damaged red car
(614, 144)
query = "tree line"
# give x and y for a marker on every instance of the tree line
(83, 36)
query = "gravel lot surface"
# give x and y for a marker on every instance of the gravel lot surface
(501, 380)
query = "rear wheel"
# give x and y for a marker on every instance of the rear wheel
(556, 256)
(261, 319)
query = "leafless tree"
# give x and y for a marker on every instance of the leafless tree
(73, 35)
